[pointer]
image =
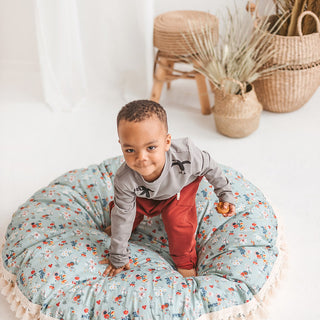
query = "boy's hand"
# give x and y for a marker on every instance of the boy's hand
(107, 230)
(226, 209)
(111, 270)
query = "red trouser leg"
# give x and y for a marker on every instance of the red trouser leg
(180, 222)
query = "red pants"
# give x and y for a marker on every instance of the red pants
(180, 221)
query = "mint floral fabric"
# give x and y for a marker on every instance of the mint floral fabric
(55, 241)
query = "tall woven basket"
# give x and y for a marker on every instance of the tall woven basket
(290, 87)
(236, 115)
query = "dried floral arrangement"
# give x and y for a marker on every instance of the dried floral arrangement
(239, 54)
(295, 8)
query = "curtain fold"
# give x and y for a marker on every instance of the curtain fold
(60, 53)
(94, 48)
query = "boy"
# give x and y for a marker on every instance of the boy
(159, 176)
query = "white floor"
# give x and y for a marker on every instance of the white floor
(282, 157)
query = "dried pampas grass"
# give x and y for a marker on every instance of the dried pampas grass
(239, 55)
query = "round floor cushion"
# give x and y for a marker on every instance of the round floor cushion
(50, 269)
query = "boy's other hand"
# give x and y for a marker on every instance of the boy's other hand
(107, 230)
(226, 209)
(111, 270)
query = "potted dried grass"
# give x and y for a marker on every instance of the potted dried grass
(231, 65)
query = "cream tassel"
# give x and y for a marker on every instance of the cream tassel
(11, 296)
(263, 312)
(7, 289)
(14, 305)
(3, 282)
(28, 316)
(20, 311)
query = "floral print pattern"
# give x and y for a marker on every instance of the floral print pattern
(55, 241)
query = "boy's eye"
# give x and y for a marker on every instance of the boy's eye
(152, 148)
(129, 150)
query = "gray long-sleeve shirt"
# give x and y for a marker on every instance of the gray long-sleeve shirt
(184, 163)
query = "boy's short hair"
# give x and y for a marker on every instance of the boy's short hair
(139, 110)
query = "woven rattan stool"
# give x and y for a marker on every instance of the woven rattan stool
(172, 36)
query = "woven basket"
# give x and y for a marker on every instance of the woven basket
(236, 115)
(172, 30)
(291, 86)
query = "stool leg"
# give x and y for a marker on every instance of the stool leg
(170, 70)
(159, 79)
(203, 93)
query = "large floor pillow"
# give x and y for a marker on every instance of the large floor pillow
(50, 269)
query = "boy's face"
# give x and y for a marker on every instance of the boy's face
(144, 145)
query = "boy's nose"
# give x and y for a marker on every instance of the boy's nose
(142, 156)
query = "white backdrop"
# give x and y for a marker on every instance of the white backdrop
(92, 47)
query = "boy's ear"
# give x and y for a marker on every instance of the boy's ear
(168, 141)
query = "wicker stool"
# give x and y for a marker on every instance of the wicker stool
(172, 37)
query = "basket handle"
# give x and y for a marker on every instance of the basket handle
(243, 91)
(299, 22)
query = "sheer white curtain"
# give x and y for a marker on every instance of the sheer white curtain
(60, 53)
(92, 48)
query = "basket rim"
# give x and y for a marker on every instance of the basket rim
(295, 37)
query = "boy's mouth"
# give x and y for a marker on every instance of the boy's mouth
(142, 167)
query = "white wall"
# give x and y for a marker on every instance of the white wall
(17, 32)
(106, 41)
(17, 26)
(212, 6)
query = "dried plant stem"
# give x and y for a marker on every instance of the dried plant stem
(283, 8)
(284, 27)
(298, 8)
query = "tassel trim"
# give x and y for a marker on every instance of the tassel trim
(19, 304)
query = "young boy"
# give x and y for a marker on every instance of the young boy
(159, 176)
